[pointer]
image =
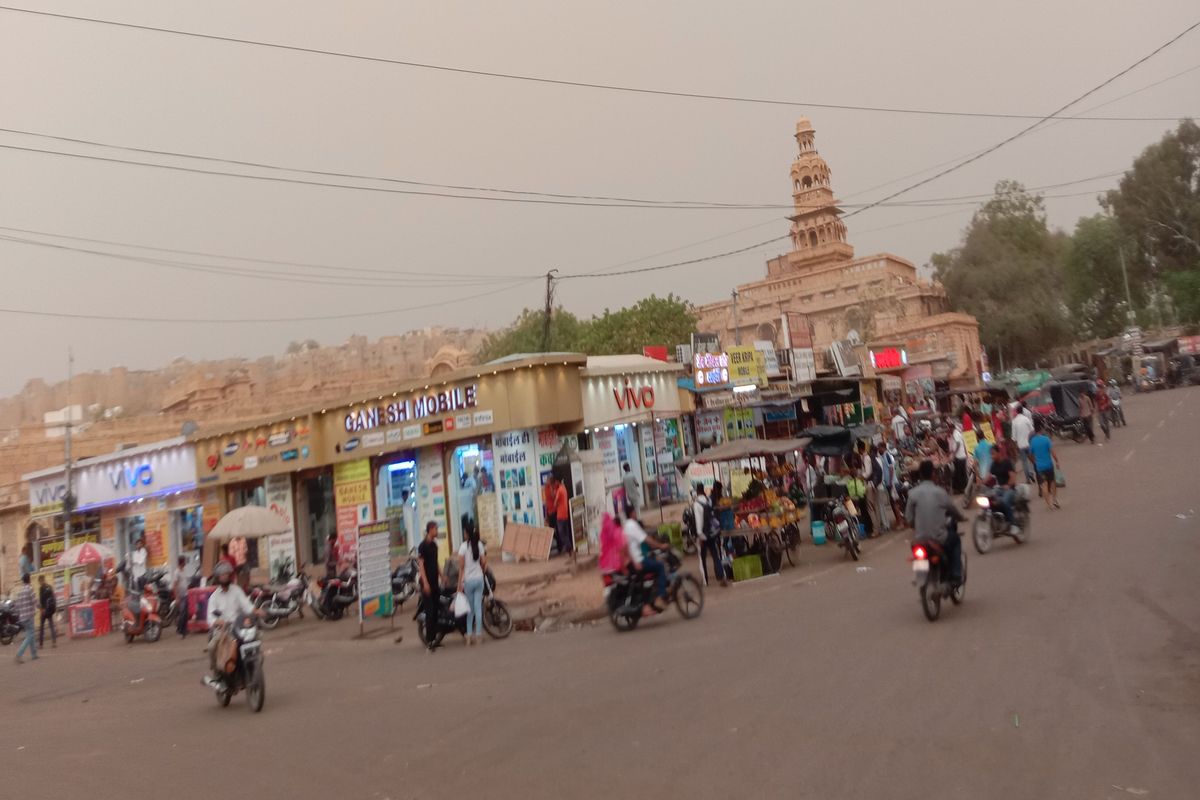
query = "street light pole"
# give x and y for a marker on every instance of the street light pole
(68, 499)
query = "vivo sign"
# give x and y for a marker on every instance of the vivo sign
(117, 479)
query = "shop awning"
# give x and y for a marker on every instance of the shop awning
(750, 448)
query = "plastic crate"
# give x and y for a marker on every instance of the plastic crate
(747, 568)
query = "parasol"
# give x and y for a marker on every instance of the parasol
(249, 522)
(85, 553)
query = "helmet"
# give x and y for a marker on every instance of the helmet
(223, 572)
(1112, 381)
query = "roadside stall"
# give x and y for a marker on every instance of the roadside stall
(87, 615)
(759, 525)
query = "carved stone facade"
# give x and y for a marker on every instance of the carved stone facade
(878, 297)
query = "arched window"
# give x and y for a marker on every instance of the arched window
(807, 182)
(812, 238)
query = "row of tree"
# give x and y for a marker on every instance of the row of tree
(1033, 288)
(653, 320)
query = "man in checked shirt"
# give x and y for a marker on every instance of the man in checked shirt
(26, 602)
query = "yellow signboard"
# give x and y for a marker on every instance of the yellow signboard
(352, 471)
(747, 366)
(352, 494)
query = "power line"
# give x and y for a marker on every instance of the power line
(1028, 128)
(259, 320)
(553, 81)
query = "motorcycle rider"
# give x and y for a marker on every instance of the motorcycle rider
(928, 507)
(1006, 490)
(1114, 397)
(635, 537)
(225, 605)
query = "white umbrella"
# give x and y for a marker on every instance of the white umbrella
(249, 522)
(85, 553)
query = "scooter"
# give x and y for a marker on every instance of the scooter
(145, 621)
(10, 626)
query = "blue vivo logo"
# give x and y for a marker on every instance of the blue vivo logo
(131, 477)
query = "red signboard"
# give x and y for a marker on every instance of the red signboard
(656, 351)
(889, 358)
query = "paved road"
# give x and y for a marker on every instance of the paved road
(1072, 671)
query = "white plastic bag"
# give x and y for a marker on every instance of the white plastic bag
(461, 606)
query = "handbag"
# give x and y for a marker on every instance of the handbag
(461, 606)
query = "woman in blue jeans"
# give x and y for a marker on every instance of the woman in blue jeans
(472, 564)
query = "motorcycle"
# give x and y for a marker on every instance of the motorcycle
(168, 604)
(691, 539)
(337, 594)
(626, 594)
(10, 625)
(140, 616)
(1066, 429)
(278, 602)
(405, 579)
(932, 576)
(244, 670)
(839, 519)
(497, 620)
(991, 523)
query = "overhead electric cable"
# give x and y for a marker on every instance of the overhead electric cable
(545, 80)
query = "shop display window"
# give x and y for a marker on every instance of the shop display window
(472, 473)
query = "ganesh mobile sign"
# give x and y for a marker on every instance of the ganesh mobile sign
(374, 570)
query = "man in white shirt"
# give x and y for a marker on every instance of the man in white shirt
(225, 606)
(958, 448)
(708, 532)
(137, 565)
(899, 423)
(635, 537)
(1022, 432)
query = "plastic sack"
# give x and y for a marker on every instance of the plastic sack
(461, 606)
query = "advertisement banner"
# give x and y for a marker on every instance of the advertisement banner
(156, 547)
(374, 570)
(770, 359)
(281, 548)
(710, 428)
(352, 498)
(50, 549)
(747, 367)
(798, 330)
(804, 365)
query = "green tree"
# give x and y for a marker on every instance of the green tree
(1008, 273)
(1095, 283)
(524, 335)
(650, 321)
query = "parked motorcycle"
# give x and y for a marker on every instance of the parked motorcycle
(139, 617)
(691, 539)
(497, 620)
(932, 576)
(839, 519)
(1066, 429)
(626, 594)
(337, 594)
(405, 580)
(285, 597)
(244, 671)
(991, 523)
(10, 625)
(168, 604)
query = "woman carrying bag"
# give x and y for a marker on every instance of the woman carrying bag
(472, 565)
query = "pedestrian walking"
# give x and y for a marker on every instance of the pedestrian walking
(1022, 432)
(562, 518)
(48, 604)
(472, 567)
(1087, 413)
(1104, 410)
(958, 450)
(882, 486)
(427, 564)
(179, 586)
(633, 489)
(26, 607)
(1046, 461)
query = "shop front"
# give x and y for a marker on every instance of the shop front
(633, 413)
(146, 493)
(464, 451)
(272, 465)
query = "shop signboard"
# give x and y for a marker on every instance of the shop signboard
(656, 351)
(606, 443)
(804, 365)
(739, 424)
(770, 358)
(281, 547)
(706, 343)
(710, 428)
(515, 455)
(431, 496)
(50, 549)
(488, 511)
(139, 472)
(374, 570)
(352, 499)
(797, 330)
(845, 359)
(256, 452)
(591, 465)
(710, 370)
(888, 358)
(747, 367)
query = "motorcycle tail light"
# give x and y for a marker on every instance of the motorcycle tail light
(982, 502)
(920, 553)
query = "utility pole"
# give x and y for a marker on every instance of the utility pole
(548, 310)
(737, 332)
(1130, 317)
(69, 498)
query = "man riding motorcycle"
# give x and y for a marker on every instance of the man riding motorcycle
(635, 537)
(1006, 490)
(225, 606)
(927, 509)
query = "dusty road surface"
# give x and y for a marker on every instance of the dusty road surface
(1072, 671)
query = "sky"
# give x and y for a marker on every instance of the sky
(391, 262)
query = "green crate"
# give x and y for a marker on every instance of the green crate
(747, 568)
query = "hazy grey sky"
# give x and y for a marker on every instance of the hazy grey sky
(251, 103)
